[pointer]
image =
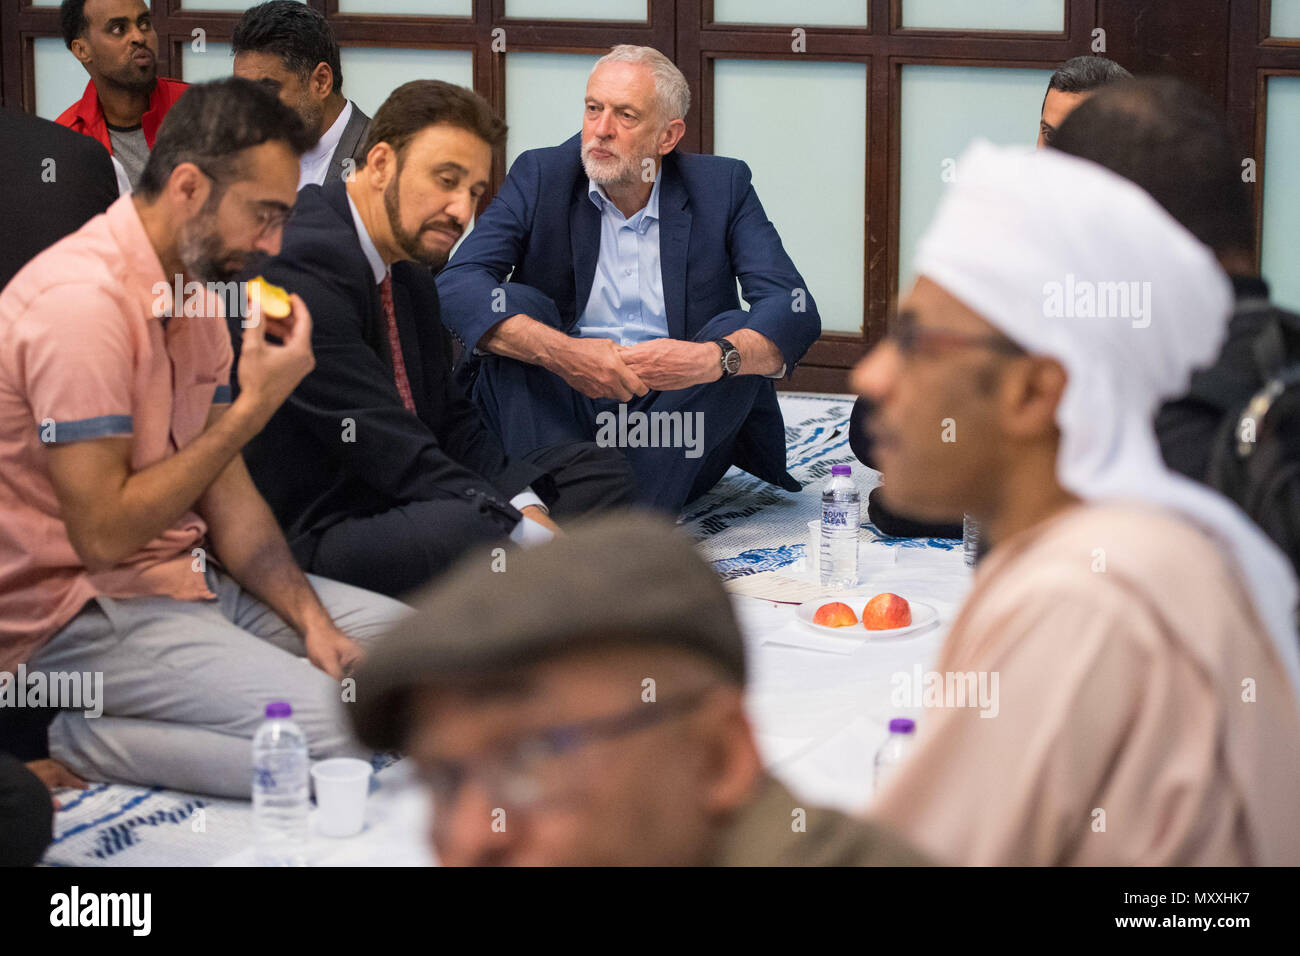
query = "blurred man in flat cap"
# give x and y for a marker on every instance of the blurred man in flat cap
(1142, 628)
(567, 711)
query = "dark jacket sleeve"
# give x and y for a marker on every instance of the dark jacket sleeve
(96, 181)
(781, 307)
(26, 814)
(350, 403)
(472, 288)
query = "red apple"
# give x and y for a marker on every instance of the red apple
(835, 615)
(886, 611)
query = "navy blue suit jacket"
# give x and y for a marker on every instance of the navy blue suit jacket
(313, 478)
(542, 231)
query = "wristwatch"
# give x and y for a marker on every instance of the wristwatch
(730, 358)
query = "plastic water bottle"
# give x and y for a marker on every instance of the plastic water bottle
(841, 518)
(902, 734)
(280, 789)
(970, 540)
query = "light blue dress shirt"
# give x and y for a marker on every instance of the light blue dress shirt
(627, 291)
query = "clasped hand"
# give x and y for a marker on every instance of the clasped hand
(600, 368)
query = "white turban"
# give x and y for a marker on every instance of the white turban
(1075, 262)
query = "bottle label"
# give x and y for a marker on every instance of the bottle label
(840, 515)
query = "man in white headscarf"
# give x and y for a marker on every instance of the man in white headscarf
(1142, 629)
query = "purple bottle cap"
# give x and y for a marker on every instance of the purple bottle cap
(279, 709)
(841, 469)
(902, 725)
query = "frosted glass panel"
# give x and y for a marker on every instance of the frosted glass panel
(544, 94)
(811, 182)
(371, 73)
(60, 79)
(809, 13)
(1280, 248)
(214, 63)
(1284, 18)
(1035, 15)
(422, 8)
(943, 108)
(578, 9)
(238, 5)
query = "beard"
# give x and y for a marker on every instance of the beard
(205, 257)
(135, 77)
(605, 172)
(410, 241)
(311, 111)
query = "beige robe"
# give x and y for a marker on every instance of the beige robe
(1127, 656)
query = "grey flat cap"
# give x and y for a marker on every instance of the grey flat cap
(619, 578)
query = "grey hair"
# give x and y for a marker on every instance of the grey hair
(671, 90)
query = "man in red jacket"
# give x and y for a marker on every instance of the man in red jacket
(125, 100)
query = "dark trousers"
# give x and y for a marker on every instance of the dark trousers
(530, 407)
(400, 550)
(26, 814)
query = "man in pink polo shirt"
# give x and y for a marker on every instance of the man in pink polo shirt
(133, 543)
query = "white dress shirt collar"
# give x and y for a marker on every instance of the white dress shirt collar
(373, 257)
(316, 161)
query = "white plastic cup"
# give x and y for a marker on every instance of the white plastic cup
(813, 555)
(342, 785)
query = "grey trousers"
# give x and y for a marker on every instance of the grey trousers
(186, 684)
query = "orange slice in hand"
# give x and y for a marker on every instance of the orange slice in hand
(273, 300)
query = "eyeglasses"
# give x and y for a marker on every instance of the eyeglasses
(912, 339)
(267, 216)
(529, 773)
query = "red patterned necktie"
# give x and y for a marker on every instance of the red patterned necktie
(395, 345)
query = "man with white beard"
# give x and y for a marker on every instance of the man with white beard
(623, 256)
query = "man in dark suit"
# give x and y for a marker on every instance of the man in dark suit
(378, 467)
(57, 181)
(621, 312)
(291, 48)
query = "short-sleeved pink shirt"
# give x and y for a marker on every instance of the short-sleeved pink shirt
(88, 350)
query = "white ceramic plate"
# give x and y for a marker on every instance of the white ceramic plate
(923, 615)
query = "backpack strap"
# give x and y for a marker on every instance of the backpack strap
(1258, 407)
(1269, 349)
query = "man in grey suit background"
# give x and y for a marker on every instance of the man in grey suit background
(290, 48)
